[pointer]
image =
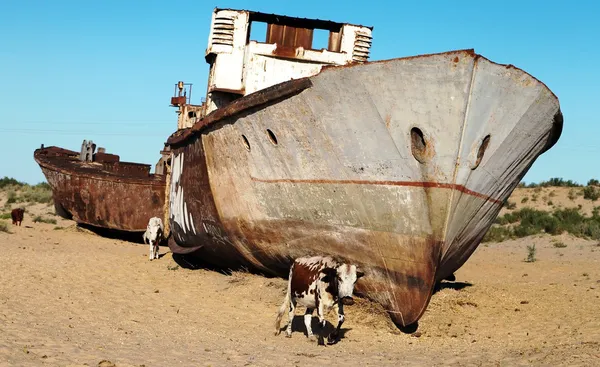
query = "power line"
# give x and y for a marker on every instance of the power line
(130, 122)
(68, 132)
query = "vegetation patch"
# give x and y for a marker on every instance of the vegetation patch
(40, 219)
(553, 182)
(527, 222)
(591, 193)
(559, 244)
(19, 192)
(4, 227)
(531, 253)
(6, 181)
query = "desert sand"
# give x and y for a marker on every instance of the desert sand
(69, 297)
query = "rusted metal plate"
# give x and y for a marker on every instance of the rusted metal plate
(113, 195)
(265, 96)
(338, 169)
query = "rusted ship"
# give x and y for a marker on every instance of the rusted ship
(97, 189)
(399, 166)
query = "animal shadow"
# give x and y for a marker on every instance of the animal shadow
(321, 333)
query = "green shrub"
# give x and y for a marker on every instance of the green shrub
(5, 216)
(12, 197)
(531, 253)
(40, 219)
(497, 234)
(593, 182)
(40, 193)
(559, 244)
(572, 195)
(591, 193)
(527, 222)
(4, 227)
(559, 182)
(6, 181)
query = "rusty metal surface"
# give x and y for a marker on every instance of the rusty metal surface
(113, 195)
(289, 36)
(293, 21)
(338, 169)
(267, 95)
(240, 64)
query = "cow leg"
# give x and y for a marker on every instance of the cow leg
(334, 336)
(307, 323)
(288, 330)
(151, 254)
(321, 314)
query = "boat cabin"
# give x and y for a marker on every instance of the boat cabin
(285, 48)
(249, 51)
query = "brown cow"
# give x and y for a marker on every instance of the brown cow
(17, 216)
(318, 283)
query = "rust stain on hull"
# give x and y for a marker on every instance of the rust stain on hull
(112, 195)
(425, 184)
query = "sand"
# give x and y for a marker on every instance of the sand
(69, 297)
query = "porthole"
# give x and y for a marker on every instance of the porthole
(481, 151)
(272, 137)
(418, 144)
(246, 142)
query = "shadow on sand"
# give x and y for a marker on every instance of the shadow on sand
(299, 329)
(135, 237)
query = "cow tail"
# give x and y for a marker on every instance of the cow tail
(285, 306)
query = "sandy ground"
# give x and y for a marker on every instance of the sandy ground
(71, 298)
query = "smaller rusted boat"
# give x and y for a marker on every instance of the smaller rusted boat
(97, 189)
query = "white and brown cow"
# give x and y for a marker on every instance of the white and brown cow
(153, 236)
(318, 283)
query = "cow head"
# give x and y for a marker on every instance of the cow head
(343, 278)
(154, 229)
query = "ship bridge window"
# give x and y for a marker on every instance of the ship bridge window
(482, 148)
(294, 32)
(320, 39)
(258, 32)
(192, 114)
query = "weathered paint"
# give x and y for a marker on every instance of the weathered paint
(240, 66)
(115, 195)
(338, 174)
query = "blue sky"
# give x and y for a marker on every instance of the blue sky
(105, 70)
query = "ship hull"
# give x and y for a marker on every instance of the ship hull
(117, 196)
(398, 166)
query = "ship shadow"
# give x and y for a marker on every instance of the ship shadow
(457, 286)
(135, 237)
(193, 262)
